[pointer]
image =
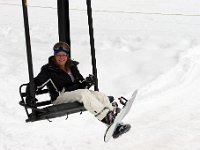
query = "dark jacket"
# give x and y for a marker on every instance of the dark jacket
(57, 80)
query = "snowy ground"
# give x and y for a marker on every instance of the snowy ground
(151, 45)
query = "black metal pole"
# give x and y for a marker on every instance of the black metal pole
(63, 21)
(91, 33)
(28, 48)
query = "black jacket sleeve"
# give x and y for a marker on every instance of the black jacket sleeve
(39, 82)
(41, 79)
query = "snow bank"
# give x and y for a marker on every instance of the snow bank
(157, 54)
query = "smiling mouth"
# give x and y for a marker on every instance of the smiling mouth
(61, 60)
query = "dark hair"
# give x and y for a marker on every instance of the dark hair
(68, 64)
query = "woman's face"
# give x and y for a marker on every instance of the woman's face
(61, 58)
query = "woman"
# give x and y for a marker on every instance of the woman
(66, 85)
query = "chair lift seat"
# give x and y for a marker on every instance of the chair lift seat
(49, 110)
(57, 111)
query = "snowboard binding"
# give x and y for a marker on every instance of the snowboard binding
(121, 129)
(122, 100)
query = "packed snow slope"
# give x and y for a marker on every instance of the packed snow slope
(149, 45)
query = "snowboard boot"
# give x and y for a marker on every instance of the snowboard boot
(116, 109)
(109, 118)
(121, 129)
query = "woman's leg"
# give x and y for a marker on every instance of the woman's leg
(103, 99)
(89, 100)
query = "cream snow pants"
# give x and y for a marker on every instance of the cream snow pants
(95, 102)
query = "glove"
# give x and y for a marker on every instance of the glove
(91, 79)
(88, 82)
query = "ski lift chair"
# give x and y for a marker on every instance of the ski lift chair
(45, 109)
(41, 110)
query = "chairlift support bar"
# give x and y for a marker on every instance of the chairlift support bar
(28, 49)
(63, 21)
(64, 35)
(91, 33)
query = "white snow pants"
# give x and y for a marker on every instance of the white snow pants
(95, 102)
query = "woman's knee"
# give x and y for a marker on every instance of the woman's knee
(100, 95)
(83, 92)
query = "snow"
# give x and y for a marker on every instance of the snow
(138, 46)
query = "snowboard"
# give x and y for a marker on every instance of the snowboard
(118, 120)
